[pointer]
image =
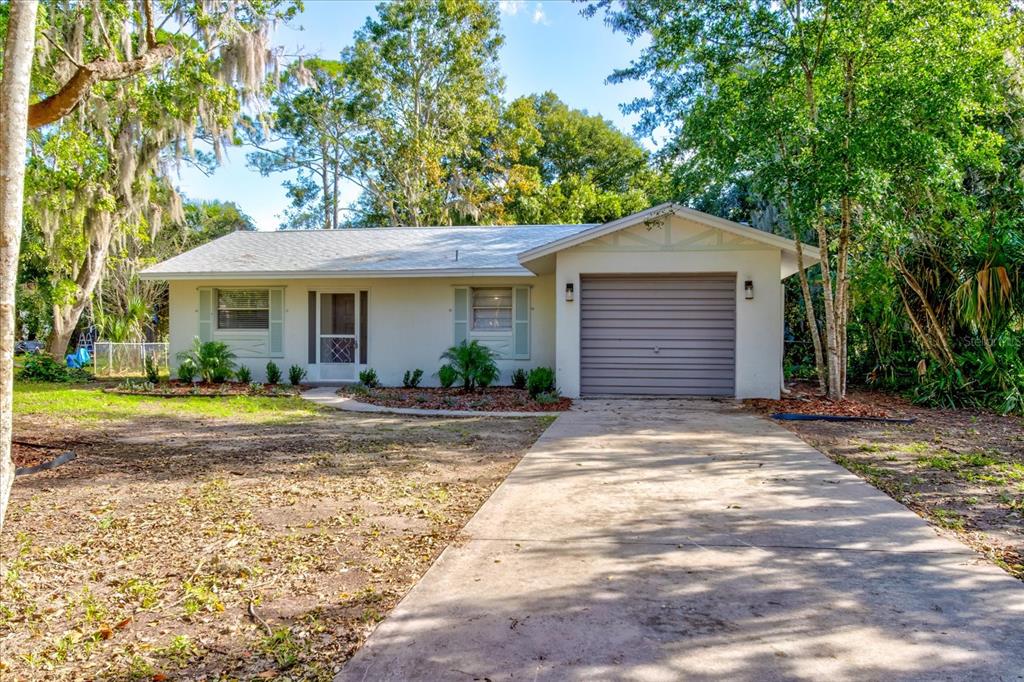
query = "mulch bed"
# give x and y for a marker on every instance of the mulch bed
(804, 399)
(492, 399)
(179, 389)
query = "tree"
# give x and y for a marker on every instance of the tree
(549, 163)
(14, 97)
(311, 129)
(100, 172)
(827, 107)
(425, 88)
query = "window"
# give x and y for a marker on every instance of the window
(492, 310)
(243, 309)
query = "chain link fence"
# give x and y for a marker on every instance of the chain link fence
(127, 359)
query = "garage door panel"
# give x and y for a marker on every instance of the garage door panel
(654, 335)
(689, 319)
(683, 374)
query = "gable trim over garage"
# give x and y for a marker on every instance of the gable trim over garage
(811, 254)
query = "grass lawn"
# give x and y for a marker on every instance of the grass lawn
(962, 470)
(234, 538)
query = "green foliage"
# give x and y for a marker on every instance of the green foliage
(474, 364)
(519, 378)
(152, 368)
(447, 376)
(412, 379)
(186, 371)
(540, 380)
(243, 374)
(368, 378)
(273, 373)
(214, 361)
(296, 374)
(42, 367)
(546, 398)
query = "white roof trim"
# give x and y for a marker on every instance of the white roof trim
(336, 274)
(811, 253)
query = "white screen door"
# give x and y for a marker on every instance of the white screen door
(338, 344)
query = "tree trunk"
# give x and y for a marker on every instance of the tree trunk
(14, 93)
(812, 319)
(100, 226)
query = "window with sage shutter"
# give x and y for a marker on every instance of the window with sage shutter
(243, 309)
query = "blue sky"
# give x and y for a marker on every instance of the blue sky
(548, 46)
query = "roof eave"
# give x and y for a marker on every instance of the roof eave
(338, 274)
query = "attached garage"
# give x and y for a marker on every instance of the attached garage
(669, 302)
(658, 334)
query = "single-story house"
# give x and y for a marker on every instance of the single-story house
(668, 301)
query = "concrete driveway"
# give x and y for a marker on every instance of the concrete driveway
(671, 540)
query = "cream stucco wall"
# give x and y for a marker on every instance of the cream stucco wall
(675, 245)
(410, 321)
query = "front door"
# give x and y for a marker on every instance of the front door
(337, 347)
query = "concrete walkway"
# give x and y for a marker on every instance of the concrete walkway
(328, 397)
(686, 540)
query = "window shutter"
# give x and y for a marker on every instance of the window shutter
(206, 314)
(521, 323)
(311, 335)
(276, 321)
(460, 315)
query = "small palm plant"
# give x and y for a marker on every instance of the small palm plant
(473, 363)
(213, 360)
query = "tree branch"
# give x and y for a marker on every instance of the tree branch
(64, 101)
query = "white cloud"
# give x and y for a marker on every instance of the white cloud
(511, 7)
(538, 15)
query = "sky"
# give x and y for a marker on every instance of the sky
(548, 46)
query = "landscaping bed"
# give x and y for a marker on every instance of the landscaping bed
(962, 470)
(182, 389)
(491, 399)
(243, 538)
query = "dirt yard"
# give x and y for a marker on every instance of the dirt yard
(201, 546)
(963, 470)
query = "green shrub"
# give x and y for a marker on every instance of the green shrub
(519, 379)
(273, 373)
(186, 371)
(546, 398)
(540, 380)
(412, 379)
(213, 360)
(295, 375)
(152, 369)
(42, 367)
(243, 374)
(368, 378)
(447, 376)
(474, 364)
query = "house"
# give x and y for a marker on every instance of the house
(668, 301)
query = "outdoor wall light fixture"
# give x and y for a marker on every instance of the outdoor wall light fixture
(569, 291)
(748, 289)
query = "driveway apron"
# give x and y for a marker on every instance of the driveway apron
(689, 540)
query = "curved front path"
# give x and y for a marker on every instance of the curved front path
(328, 396)
(670, 540)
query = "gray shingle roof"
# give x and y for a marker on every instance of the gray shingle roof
(386, 251)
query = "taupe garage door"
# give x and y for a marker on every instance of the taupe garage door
(658, 335)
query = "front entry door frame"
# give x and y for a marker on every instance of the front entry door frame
(338, 371)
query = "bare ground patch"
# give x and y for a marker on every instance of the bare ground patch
(210, 548)
(962, 470)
